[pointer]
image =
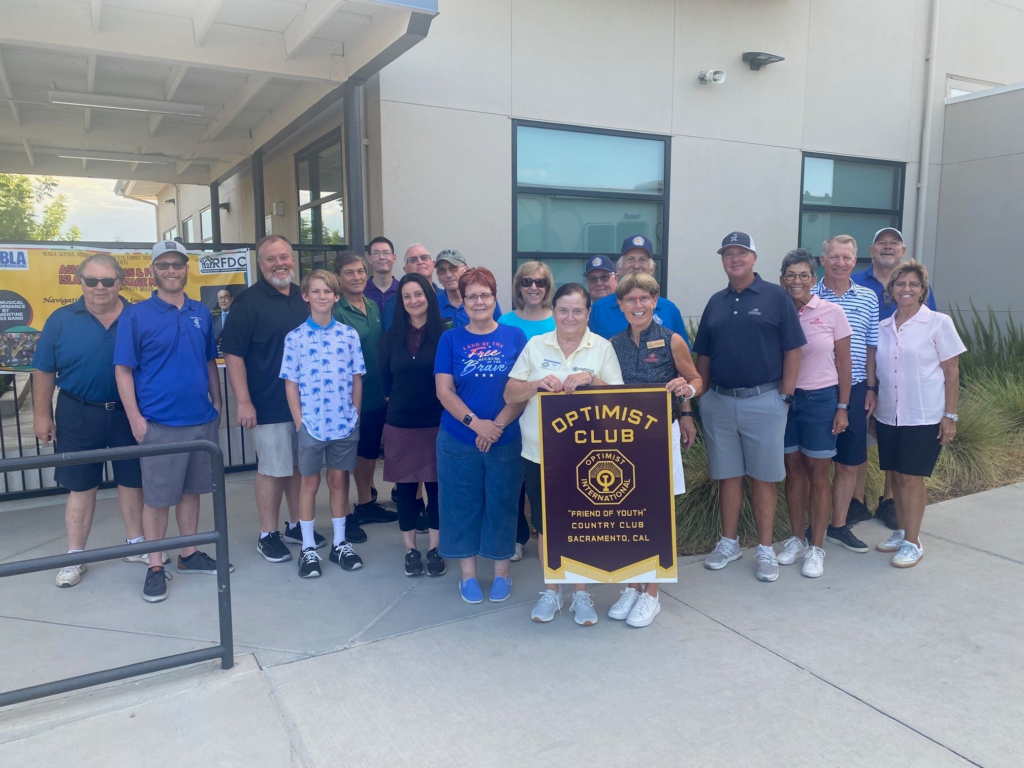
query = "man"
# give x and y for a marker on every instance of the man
(382, 286)
(165, 365)
(450, 265)
(606, 319)
(417, 259)
(224, 302)
(253, 343)
(75, 351)
(748, 350)
(601, 278)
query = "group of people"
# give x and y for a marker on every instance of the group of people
(352, 364)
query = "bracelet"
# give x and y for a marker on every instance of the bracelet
(686, 413)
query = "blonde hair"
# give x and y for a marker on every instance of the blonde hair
(839, 240)
(635, 280)
(329, 278)
(528, 268)
(901, 269)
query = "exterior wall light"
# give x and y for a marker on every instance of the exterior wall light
(758, 59)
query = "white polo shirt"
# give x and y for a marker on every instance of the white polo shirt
(911, 385)
(543, 357)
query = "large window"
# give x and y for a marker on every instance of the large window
(580, 192)
(206, 225)
(849, 196)
(188, 231)
(318, 172)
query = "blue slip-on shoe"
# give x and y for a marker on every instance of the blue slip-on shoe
(500, 589)
(471, 592)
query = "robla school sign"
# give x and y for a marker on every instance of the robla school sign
(606, 481)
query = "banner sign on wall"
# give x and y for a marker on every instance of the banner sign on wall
(36, 281)
(606, 484)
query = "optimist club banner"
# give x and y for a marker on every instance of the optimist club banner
(34, 282)
(606, 483)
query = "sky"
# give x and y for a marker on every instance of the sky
(102, 215)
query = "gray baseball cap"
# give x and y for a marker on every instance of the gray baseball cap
(452, 256)
(168, 246)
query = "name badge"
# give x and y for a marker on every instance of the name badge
(655, 344)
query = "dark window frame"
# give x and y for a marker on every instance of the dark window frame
(308, 155)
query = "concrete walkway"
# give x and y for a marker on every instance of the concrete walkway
(868, 665)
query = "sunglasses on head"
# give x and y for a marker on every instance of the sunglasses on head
(540, 282)
(108, 282)
(163, 266)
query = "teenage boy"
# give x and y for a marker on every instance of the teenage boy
(323, 369)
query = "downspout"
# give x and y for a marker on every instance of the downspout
(926, 134)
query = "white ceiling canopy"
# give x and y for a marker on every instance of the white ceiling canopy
(191, 87)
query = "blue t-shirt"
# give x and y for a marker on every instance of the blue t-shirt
(867, 278)
(530, 327)
(480, 365)
(75, 346)
(168, 350)
(456, 317)
(606, 319)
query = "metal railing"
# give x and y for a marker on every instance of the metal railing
(219, 537)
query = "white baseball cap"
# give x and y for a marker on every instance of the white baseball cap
(887, 229)
(168, 246)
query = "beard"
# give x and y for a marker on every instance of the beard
(161, 282)
(281, 282)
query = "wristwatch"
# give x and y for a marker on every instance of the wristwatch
(844, 406)
(787, 399)
(952, 417)
(686, 413)
(872, 388)
(467, 419)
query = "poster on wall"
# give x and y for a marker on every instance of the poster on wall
(36, 281)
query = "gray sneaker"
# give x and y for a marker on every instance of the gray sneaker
(767, 564)
(726, 550)
(583, 607)
(549, 604)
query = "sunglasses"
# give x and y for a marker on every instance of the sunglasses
(163, 266)
(92, 282)
(540, 282)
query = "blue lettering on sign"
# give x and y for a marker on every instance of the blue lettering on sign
(13, 260)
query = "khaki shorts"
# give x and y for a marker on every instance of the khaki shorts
(165, 479)
(277, 449)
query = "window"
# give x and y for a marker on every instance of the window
(849, 196)
(268, 224)
(171, 233)
(580, 192)
(318, 173)
(188, 231)
(961, 86)
(206, 225)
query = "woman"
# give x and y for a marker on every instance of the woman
(405, 361)
(532, 287)
(918, 385)
(575, 348)
(479, 471)
(818, 415)
(649, 353)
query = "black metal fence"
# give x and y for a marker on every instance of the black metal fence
(219, 536)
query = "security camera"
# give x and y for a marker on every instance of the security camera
(714, 76)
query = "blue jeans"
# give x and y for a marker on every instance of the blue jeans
(809, 422)
(479, 495)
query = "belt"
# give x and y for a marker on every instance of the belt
(760, 389)
(114, 406)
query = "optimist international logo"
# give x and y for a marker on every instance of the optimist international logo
(605, 477)
(222, 262)
(14, 259)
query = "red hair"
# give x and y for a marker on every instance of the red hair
(482, 276)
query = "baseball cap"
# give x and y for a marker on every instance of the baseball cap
(742, 239)
(637, 241)
(168, 246)
(599, 262)
(887, 229)
(452, 256)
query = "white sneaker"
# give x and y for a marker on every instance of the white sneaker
(814, 562)
(583, 607)
(620, 611)
(519, 553)
(893, 543)
(145, 558)
(70, 575)
(908, 556)
(793, 549)
(643, 613)
(726, 550)
(767, 564)
(549, 604)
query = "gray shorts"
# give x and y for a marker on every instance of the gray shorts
(745, 436)
(341, 454)
(165, 479)
(277, 449)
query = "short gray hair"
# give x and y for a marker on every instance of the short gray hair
(102, 258)
(798, 256)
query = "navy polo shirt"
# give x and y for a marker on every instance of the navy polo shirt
(379, 297)
(606, 319)
(456, 317)
(867, 278)
(168, 349)
(75, 346)
(745, 334)
(260, 319)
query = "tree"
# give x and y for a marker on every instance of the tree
(18, 220)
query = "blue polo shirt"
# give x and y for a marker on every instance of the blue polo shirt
(168, 349)
(457, 317)
(745, 334)
(387, 314)
(606, 319)
(75, 346)
(886, 309)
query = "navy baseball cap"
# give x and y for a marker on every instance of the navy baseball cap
(637, 241)
(599, 262)
(742, 239)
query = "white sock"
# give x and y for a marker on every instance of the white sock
(339, 529)
(137, 540)
(264, 534)
(73, 551)
(308, 541)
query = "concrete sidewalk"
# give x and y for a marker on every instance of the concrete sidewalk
(865, 666)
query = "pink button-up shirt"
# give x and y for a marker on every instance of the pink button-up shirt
(823, 323)
(911, 385)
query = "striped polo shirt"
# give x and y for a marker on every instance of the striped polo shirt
(861, 307)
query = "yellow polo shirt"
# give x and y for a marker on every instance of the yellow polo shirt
(542, 357)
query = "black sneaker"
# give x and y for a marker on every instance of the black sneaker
(844, 537)
(857, 513)
(435, 564)
(200, 562)
(373, 494)
(422, 522)
(886, 512)
(155, 588)
(293, 535)
(309, 564)
(413, 563)
(372, 512)
(272, 548)
(354, 532)
(346, 557)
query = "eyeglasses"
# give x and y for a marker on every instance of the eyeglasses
(475, 297)
(163, 266)
(417, 259)
(634, 300)
(526, 282)
(380, 253)
(566, 312)
(443, 270)
(602, 278)
(637, 260)
(791, 277)
(108, 282)
(905, 285)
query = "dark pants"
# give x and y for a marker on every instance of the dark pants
(522, 527)
(405, 496)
